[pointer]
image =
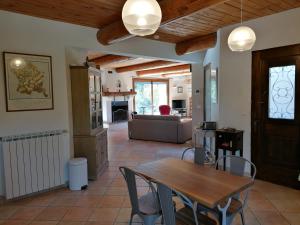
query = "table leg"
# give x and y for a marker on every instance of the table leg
(224, 159)
(224, 211)
(217, 155)
(195, 207)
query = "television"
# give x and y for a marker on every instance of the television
(178, 104)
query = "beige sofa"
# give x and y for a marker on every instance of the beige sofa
(160, 128)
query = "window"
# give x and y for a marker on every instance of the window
(151, 93)
(282, 92)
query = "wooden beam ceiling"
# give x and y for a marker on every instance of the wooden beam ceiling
(145, 66)
(109, 59)
(178, 74)
(171, 11)
(166, 70)
(182, 19)
(196, 44)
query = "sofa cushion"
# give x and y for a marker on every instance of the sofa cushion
(156, 117)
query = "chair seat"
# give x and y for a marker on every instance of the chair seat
(186, 216)
(148, 204)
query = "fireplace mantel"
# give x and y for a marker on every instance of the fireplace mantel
(118, 93)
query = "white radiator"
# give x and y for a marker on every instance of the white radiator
(33, 162)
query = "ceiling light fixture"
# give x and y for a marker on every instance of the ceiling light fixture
(241, 38)
(141, 17)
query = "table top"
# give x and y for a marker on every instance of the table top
(203, 184)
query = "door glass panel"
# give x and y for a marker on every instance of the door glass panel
(92, 83)
(160, 96)
(99, 119)
(93, 102)
(94, 120)
(282, 92)
(98, 102)
(98, 83)
(143, 103)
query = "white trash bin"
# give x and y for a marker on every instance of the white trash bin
(78, 177)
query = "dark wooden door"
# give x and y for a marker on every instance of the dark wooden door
(276, 115)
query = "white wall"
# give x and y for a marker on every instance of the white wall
(235, 68)
(20, 33)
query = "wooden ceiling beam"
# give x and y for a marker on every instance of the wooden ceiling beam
(178, 74)
(196, 44)
(171, 10)
(108, 59)
(145, 66)
(166, 70)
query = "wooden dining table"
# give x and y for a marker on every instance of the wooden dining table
(202, 184)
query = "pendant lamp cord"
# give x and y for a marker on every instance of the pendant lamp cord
(241, 11)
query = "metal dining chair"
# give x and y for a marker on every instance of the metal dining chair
(147, 206)
(238, 166)
(186, 215)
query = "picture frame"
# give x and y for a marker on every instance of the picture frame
(214, 86)
(28, 82)
(180, 90)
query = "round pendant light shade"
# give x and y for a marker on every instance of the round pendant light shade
(241, 39)
(141, 17)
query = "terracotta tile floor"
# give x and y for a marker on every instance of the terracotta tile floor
(106, 201)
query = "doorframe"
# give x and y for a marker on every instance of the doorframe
(151, 80)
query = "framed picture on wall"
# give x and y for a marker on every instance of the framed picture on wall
(179, 90)
(28, 82)
(214, 86)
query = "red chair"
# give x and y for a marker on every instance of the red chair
(164, 110)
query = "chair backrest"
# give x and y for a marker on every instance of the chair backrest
(166, 203)
(238, 165)
(185, 154)
(130, 178)
(168, 210)
(164, 110)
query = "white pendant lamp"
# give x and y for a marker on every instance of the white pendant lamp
(241, 38)
(141, 17)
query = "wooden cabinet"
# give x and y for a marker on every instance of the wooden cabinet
(90, 139)
(86, 100)
(229, 140)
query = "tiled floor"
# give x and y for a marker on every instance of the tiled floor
(106, 201)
